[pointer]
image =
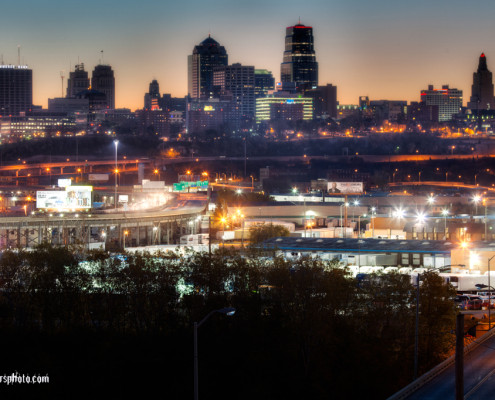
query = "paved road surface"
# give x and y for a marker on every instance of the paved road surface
(479, 377)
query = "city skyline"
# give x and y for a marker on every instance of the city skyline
(365, 49)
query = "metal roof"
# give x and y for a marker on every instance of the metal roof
(340, 245)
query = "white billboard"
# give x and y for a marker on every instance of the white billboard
(345, 187)
(79, 196)
(51, 199)
(73, 198)
(98, 177)
(64, 182)
(123, 198)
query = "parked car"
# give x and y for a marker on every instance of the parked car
(474, 304)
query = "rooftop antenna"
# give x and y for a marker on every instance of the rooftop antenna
(299, 23)
(102, 60)
(62, 77)
(2, 59)
(18, 54)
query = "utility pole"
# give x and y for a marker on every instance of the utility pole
(459, 358)
(416, 330)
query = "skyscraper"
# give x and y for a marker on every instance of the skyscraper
(482, 88)
(299, 66)
(205, 57)
(152, 98)
(103, 80)
(237, 81)
(78, 81)
(16, 89)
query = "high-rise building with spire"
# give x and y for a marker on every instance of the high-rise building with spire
(482, 88)
(78, 81)
(299, 66)
(152, 98)
(205, 57)
(103, 81)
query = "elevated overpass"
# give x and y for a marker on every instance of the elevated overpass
(161, 225)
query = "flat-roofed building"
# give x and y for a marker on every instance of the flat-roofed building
(281, 106)
(16, 89)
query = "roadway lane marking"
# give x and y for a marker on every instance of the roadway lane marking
(474, 389)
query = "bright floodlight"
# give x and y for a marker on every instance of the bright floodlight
(399, 213)
(356, 202)
(445, 212)
(294, 190)
(431, 200)
(421, 217)
(476, 198)
(238, 191)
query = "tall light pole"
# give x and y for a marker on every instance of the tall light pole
(356, 203)
(489, 295)
(229, 311)
(359, 224)
(373, 212)
(116, 143)
(476, 200)
(445, 212)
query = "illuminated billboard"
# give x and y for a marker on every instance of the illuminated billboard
(345, 187)
(64, 182)
(73, 198)
(79, 196)
(51, 199)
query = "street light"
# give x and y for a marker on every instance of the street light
(342, 205)
(125, 236)
(356, 203)
(359, 224)
(228, 311)
(476, 200)
(223, 220)
(445, 212)
(420, 219)
(373, 213)
(116, 143)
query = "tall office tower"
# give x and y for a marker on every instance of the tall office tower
(103, 80)
(152, 98)
(16, 89)
(449, 101)
(324, 101)
(263, 82)
(236, 81)
(206, 56)
(482, 88)
(78, 81)
(299, 66)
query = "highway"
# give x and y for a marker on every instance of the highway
(335, 158)
(178, 160)
(479, 377)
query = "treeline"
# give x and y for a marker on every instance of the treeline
(302, 329)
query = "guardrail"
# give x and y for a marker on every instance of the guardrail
(405, 392)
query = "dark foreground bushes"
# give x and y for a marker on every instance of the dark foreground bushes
(99, 326)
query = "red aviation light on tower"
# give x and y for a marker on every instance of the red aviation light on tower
(482, 55)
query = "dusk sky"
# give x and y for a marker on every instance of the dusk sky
(384, 49)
